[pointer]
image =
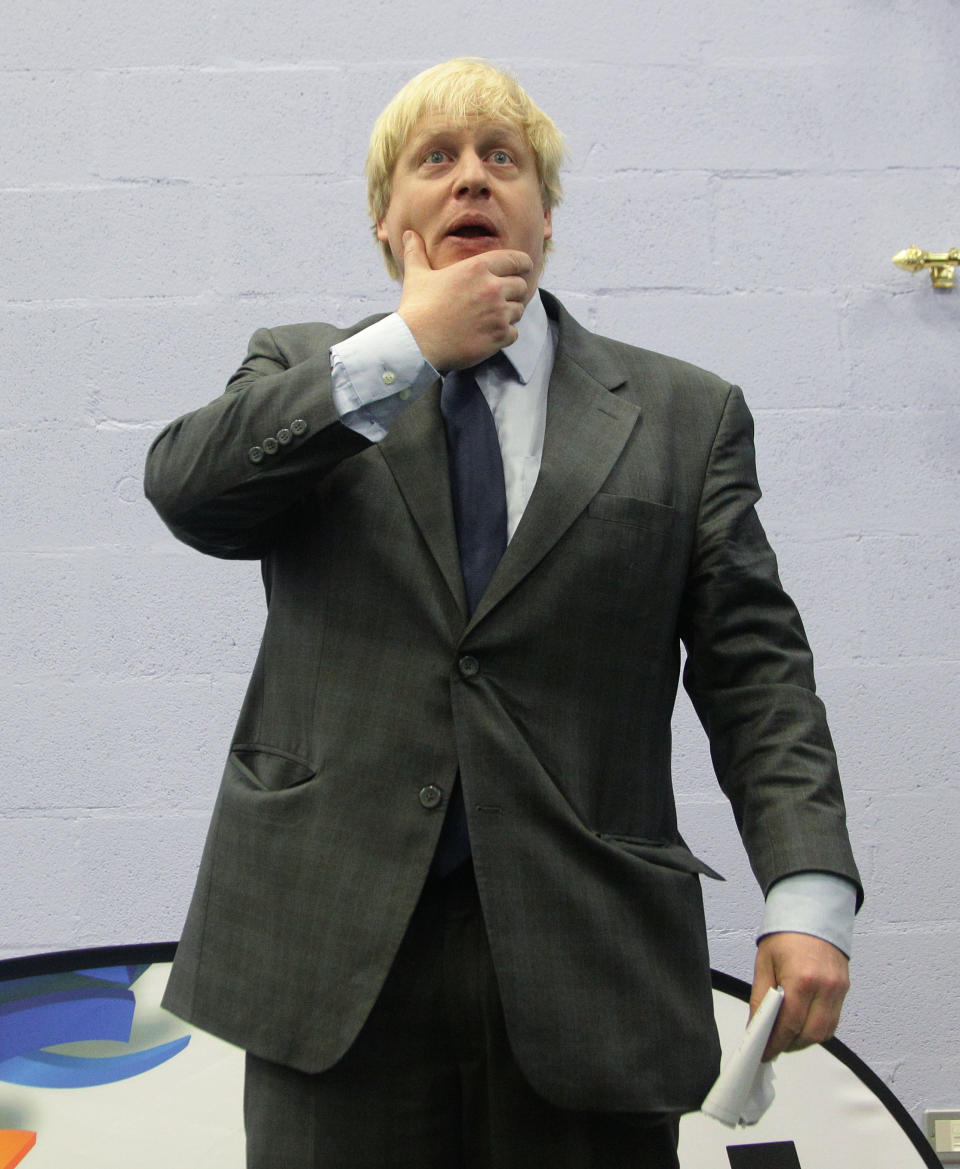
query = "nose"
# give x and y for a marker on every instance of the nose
(471, 175)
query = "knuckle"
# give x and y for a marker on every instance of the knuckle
(837, 988)
(806, 983)
(835, 984)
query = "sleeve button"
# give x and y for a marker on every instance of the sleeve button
(270, 445)
(255, 454)
(284, 435)
(298, 426)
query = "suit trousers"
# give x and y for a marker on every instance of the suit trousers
(431, 1082)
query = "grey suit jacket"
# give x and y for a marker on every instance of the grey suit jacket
(553, 700)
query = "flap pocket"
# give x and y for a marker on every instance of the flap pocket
(269, 767)
(670, 854)
(625, 509)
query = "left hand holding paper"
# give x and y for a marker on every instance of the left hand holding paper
(815, 977)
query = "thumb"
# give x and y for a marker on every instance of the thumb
(414, 251)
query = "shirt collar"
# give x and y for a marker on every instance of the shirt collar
(525, 352)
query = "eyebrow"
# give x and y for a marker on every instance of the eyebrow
(494, 130)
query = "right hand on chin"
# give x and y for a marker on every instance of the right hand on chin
(461, 314)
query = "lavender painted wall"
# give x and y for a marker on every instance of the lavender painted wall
(174, 177)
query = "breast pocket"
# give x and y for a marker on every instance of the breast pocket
(631, 538)
(631, 512)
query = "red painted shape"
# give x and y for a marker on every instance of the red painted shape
(14, 1146)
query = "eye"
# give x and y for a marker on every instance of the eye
(501, 157)
(435, 156)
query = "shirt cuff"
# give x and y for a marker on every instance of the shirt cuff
(822, 904)
(377, 374)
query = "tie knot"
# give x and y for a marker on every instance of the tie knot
(460, 386)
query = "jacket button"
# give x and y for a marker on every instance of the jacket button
(298, 426)
(284, 435)
(255, 454)
(270, 445)
(468, 666)
(430, 796)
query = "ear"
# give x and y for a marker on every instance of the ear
(382, 235)
(547, 223)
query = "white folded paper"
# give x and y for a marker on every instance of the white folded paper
(744, 1091)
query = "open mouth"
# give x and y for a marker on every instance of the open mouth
(473, 227)
(472, 231)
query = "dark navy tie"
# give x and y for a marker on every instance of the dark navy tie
(480, 514)
(476, 480)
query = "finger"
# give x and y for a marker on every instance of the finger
(515, 312)
(414, 251)
(823, 1010)
(789, 1026)
(514, 288)
(817, 1023)
(821, 1022)
(505, 262)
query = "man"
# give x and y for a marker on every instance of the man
(444, 904)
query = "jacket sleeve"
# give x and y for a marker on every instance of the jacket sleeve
(223, 477)
(749, 673)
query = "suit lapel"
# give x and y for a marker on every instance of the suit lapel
(415, 450)
(587, 428)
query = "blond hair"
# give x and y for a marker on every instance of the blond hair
(466, 87)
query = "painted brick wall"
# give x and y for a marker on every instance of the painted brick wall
(174, 175)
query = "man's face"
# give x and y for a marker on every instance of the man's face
(467, 188)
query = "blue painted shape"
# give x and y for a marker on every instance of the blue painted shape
(41, 985)
(124, 975)
(45, 1069)
(68, 1016)
(51, 1011)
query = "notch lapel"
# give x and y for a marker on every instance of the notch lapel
(415, 450)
